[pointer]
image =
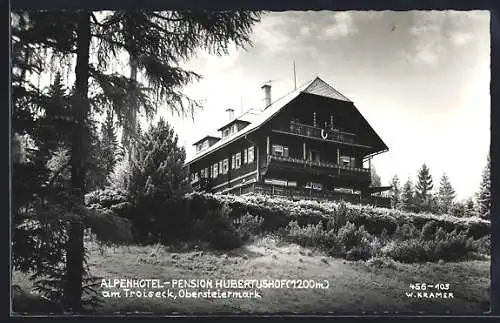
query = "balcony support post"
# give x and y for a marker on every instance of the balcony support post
(338, 162)
(304, 150)
(268, 145)
(258, 164)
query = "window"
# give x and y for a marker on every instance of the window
(348, 161)
(233, 162)
(250, 154)
(194, 177)
(245, 155)
(204, 173)
(220, 167)
(314, 186)
(225, 166)
(237, 160)
(277, 150)
(285, 151)
(215, 170)
(225, 133)
(235, 128)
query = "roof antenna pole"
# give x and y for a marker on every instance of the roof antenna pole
(294, 77)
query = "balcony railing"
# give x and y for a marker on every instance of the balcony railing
(302, 129)
(321, 164)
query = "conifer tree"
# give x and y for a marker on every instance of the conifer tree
(483, 196)
(395, 191)
(157, 177)
(423, 188)
(109, 143)
(446, 195)
(407, 196)
(375, 178)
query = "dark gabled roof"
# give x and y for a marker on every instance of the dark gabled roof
(258, 117)
(205, 138)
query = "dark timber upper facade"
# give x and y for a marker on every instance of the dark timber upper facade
(311, 143)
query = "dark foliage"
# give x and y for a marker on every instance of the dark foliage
(157, 41)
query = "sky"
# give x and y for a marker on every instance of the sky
(420, 78)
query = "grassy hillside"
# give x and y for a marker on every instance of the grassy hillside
(376, 286)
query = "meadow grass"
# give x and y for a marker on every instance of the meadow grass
(375, 286)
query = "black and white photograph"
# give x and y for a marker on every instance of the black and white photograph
(196, 162)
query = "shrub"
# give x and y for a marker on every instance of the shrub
(429, 230)
(105, 198)
(249, 226)
(406, 232)
(382, 262)
(362, 252)
(482, 245)
(440, 235)
(311, 235)
(453, 247)
(409, 251)
(353, 243)
(108, 228)
(217, 229)
(384, 236)
(350, 236)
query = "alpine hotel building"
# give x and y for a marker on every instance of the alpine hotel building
(311, 143)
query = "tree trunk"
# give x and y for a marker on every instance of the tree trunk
(133, 107)
(80, 110)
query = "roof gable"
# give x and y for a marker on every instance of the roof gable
(321, 88)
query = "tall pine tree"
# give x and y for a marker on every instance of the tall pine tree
(109, 143)
(446, 195)
(483, 197)
(423, 188)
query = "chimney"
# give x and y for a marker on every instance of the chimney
(267, 94)
(230, 114)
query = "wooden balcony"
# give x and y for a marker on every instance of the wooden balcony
(326, 168)
(328, 134)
